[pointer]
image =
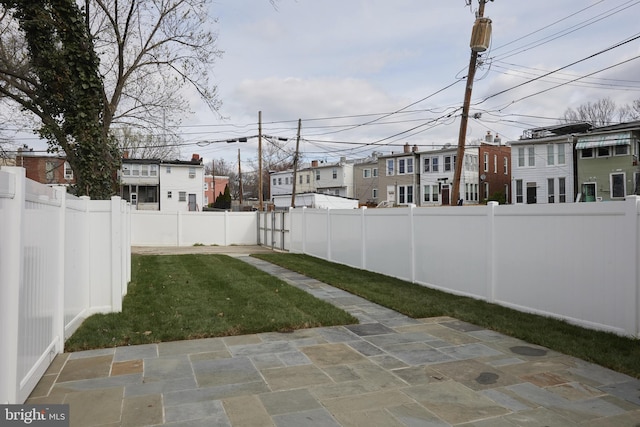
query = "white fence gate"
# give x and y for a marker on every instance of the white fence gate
(62, 259)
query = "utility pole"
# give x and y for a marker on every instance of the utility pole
(481, 30)
(260, 201)
(239, 178)
(295, 166)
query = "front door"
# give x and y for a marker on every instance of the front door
(192, 202)
(445, 195)
(391, 194)
(589, 192)
(532, 193)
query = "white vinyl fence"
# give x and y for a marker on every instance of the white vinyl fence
(156, 228)
(577, 262)
(62, 258)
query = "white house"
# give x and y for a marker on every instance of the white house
(333, 178)
(182, 185)
(542, 166)
(314, 200)
(437, 173)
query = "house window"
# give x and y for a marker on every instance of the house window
(506, 165)
(401, 166)
(366, 173)
(68, 172)
(300, 179)
(182, 196)
(135, 170)
(434, 193)
(279, 181)
(409, 165)
(466, 191)
(390, 164)
(561, 148)
(551, 192)
(192, 172)
(447, 163)
(604, 151)
(621, 150)
(519, 198)
(475, 191)
(126, 171)
(375, 172)
(153, 170)
(550, 155)
(405, 194)
(168, 169)
(506, 193)
(531, 155)
(486, 162)
(49, 169)
(495, 163)
(374, 193)
(427, 164)
(617, 185)
(308, 178)
(521, 157)
(486, 190)
(562, 196)
(637, 185)
(274, 181)
(169, 194)
(334, 173)
(206, 186)
(434, 164)
(426, 193)
(145, 170)
(586, 153)
(317, 175)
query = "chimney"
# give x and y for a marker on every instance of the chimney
(497, 139)
(414, 149)
(125, 154)
(407, 149)
(488, 137)
(314, 163)
(195, 157)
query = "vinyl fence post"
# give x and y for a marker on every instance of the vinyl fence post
(491, 252)
(58, 318)
(633, 221)
(116, 248)
(12, 204)
(304, 230)
(363, 239)
(328, 234)
(412, 244)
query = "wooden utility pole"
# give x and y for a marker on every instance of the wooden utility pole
(239, 178)
(295, 166)
(457, 173)
(260, 201)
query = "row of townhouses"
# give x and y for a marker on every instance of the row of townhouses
(556, 164)
(149, 184)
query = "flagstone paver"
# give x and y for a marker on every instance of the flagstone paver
(389, 370)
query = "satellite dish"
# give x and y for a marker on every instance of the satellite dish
(447, 145)
(483, 177)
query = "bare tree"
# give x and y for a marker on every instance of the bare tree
(147, 146)
(116, 61)
(630, 112)
(598, 113)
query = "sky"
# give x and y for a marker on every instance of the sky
(372, 75)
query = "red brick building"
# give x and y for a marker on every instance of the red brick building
(494, 168)
(46, 169)
(213, 186)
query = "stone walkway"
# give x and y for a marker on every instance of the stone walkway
(389, 370)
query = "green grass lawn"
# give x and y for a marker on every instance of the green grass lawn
(179, 297)
(610, 350)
